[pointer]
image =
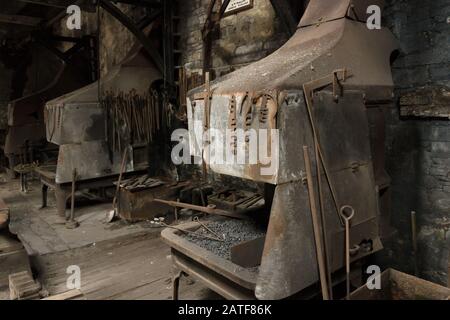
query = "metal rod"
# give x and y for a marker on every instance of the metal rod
(195, 234)
(414, 241)
(211, 209)
(347, 217)
(323, 222)
(316, 227)
(122, 169)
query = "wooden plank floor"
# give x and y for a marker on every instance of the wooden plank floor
(130, 268)
(117, 261)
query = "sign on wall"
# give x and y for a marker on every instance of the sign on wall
(238, 5)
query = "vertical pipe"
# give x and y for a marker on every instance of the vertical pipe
(414, 241)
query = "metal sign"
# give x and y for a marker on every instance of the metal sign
(238, 5)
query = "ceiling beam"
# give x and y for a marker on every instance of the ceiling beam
(48, 3)
(21, 20)
(144, 3)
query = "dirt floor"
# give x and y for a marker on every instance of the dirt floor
(117, 260)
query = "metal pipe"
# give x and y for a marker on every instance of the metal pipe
(414, 241)
(72, 223)
(316, 227)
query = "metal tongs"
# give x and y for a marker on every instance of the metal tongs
(216, 237)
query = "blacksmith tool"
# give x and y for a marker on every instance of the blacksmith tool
(347, 212)
(316, 226)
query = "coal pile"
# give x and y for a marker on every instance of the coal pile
(231, 231)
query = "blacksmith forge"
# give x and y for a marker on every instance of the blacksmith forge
(25, 140)
(99, 125)
(323, 91)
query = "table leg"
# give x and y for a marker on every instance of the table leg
(61, 200)
(44, 189)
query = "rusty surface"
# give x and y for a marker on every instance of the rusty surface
(242, 276)
(314, 52)
(396, 285)
(78, 123)
(248, 254)
(139, 204)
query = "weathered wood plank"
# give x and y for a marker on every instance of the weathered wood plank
(426, 102)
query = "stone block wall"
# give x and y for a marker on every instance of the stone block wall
(244, 37)
(418, 150)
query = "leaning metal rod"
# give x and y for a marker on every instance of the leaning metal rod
(414, 241)
(122, 169)
(316, 227)
(322, 218)
(196, 219)
(195, 234)
(347, 213)
(308, 90)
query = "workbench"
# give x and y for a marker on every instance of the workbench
(47, 176)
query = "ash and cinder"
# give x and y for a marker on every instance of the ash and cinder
(232, 231)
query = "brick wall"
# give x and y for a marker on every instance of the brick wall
(418, 150)
(244, 37)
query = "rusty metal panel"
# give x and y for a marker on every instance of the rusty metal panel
(248, 254)
(91, 159)
(77, 121)
(137, 203)
(343, 129)
(283, 273)
(66, 124)
(290, 228)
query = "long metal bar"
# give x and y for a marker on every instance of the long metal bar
(414, 241)
(208, 210)
(347, 213)
(323, 221)
(316, 226)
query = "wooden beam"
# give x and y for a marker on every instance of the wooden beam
(21, 20)
(48, 3)
(223, 8)
(66, 295)
(84, 4)
(144, 3)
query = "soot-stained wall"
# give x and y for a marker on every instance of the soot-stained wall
(418, 149)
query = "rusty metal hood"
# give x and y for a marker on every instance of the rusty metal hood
(317, 50)
(84, 117)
